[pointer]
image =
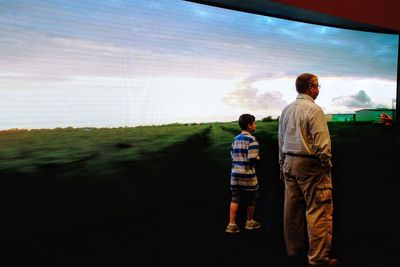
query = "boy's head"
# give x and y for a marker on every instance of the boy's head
(246, 120)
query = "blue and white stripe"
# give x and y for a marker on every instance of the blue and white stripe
(244, 149)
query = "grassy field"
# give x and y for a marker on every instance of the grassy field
(101, 197)
(87, 151)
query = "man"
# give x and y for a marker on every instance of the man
(304, 157)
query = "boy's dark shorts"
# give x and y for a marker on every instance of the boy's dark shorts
(244, 196)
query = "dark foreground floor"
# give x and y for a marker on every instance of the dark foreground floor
(179, 218)
(187, 239)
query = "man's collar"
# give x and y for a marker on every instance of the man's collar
(304, 96)
(245, 132)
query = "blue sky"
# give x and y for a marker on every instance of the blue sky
(127, 63)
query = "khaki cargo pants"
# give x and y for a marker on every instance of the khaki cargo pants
(308, 195)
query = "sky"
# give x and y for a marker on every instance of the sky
(116, 63)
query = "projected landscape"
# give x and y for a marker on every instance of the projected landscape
(116, 123)
(129, 63)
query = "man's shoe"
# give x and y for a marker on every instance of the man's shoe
(300, 255)
(232, 229)
(252, 225)
(329, 263)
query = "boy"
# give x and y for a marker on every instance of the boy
(244, 184)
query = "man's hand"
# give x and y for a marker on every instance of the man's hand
(386, 119)
(281, 178)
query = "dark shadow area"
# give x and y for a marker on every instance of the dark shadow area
(171, 209)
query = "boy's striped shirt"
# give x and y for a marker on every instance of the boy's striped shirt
(244, 149)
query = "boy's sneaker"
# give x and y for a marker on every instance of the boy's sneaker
(232, 228)
(250, 225)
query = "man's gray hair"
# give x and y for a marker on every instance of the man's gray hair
(303, 82)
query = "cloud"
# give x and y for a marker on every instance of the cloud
(382, 106)
(359, 100)
(247, 96)
(33, 77)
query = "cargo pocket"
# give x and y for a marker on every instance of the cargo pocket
(324, 193)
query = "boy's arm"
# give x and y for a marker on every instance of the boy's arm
(253, 150)
(253, 161)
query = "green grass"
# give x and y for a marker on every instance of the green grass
(93, 151)
(88, 149)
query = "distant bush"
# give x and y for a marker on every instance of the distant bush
(267, 119)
